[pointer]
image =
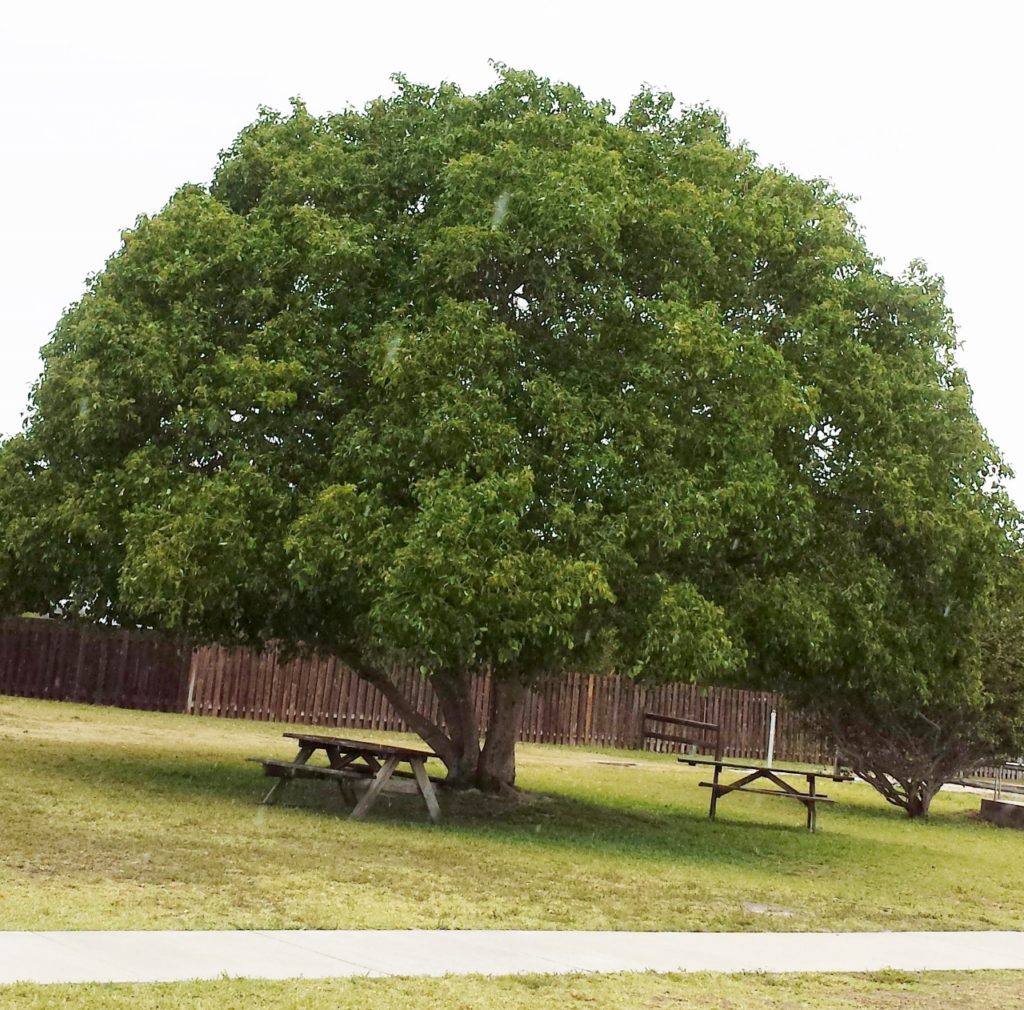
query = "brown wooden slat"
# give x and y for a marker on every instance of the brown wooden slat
(346, 696)
(238, 671)
(216, 681)
(270, 686)
(314, 709)
(340, 704)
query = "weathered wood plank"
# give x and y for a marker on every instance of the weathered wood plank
(380, 780)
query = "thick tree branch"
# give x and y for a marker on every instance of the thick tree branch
(431, 733)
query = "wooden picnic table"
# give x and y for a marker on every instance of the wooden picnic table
(349, 761)
(776, 776)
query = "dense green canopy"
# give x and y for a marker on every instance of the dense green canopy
(504, 381)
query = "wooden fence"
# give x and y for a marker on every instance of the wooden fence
(576, 710)
(131, 669)
(102, 666)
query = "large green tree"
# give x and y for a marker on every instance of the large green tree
(504, 382)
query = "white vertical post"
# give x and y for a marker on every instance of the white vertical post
(190, 702)
(771, 738)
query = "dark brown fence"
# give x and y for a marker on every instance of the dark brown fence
(102, 666)
(579, 709)
(131, 669)
(135, 669)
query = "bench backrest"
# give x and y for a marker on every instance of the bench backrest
(674, 730)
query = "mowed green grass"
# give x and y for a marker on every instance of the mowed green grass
(881, 991)
(123, 820)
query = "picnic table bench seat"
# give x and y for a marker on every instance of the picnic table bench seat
(722, 787)
(299, 770)
(293, 769)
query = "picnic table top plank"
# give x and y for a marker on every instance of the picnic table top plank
(843, 776)
(362, 746)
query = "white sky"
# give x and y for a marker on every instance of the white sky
(108, 107)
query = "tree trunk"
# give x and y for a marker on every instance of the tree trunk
(430, 732)
(496, 770)
(913, 795)
(919, 798)
(456, 742)
(455, 694)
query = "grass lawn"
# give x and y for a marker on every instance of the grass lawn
(882, 991)
(112, 819)
(124, 820)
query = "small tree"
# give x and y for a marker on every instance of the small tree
(903, 647)
(478, 382)
(908, 751)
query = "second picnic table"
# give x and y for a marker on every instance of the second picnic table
(354, 760)
(775, 776)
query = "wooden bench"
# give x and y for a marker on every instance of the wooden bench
(297, 770)
(707, 732)
(354, 760)
(776, 776)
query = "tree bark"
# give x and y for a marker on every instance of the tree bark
(496, 770)
(456, 742)
(454, 692)
(920, 796)
(912, 795)
(430, 732)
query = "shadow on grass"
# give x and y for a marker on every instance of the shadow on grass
(557, 820)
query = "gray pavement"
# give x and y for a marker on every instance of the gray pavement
(171, 956)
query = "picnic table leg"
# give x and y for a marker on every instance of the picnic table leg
(338, 761)
(714, 792)
(300, 759)
(810, 803)
(371, 794)
(426, 788)
(273, 789)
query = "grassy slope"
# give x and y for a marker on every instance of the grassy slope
(885, 991)
(136, 820)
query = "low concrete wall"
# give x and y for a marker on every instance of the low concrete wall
(1005, 813)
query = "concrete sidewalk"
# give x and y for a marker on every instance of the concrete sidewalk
(155, 956)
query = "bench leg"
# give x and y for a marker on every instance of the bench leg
(810, 803)
(338, 761)
(426, 789)
(714, 792)
(371, 794)
(301, 758)
(273, 789)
